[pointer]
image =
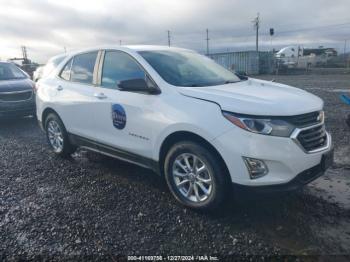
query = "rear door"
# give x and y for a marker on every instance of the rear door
(75, 94)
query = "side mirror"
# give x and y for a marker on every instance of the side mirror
(137, 85)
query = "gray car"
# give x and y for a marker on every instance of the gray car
(17, 92)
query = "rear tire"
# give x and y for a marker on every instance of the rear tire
(196, 176)
(57, 136)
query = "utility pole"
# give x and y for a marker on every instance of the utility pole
(256, 23)
(272, 32)
(345, 56)
(345, 42)
(207, 42)
(120, 42)
(169, 38)
(24, 53)
(65, 49)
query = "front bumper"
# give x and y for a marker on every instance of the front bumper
(297, 182)
(286, 160)
(17, 109)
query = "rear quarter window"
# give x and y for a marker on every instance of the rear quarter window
(66, 71)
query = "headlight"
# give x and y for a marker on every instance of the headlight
(261, 125)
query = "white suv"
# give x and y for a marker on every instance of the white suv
(187, 118)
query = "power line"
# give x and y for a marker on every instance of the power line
(261, 27)
(184, 37)
(313, 28)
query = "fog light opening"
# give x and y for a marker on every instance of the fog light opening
(256, 167)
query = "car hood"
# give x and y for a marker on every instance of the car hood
(257, 97)
(16, 85)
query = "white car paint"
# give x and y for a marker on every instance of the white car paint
(152, 118)
(258, 97)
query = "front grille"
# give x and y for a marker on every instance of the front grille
(304, 120)
(313, 138)
(16, 96)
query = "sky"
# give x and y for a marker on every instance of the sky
(48, 27)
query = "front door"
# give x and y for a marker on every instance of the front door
(124, 120)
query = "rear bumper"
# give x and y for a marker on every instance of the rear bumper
(18, 112)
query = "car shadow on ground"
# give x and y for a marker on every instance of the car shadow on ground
(288, 219)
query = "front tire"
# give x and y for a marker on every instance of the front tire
(196, 177)
(57, 136)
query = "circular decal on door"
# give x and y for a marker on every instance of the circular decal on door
(118, 116)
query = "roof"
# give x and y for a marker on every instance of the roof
(128, 47)
(153, 47)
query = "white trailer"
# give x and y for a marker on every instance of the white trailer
(298, 57)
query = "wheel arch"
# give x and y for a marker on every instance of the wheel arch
(46, 112)
(179, 136)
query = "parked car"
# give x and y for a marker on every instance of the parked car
(43, 71)
(187, 118)
(17, 93)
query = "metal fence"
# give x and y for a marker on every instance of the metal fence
(250, 62)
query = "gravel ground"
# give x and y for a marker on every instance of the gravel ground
(96, 207)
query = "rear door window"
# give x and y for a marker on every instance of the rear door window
(83, 68)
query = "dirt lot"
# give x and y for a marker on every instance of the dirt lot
(80, 208)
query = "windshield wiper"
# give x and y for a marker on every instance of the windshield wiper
(191, 85)
(230, 82)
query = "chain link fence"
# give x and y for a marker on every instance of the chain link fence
(248, 62)
(253, 63)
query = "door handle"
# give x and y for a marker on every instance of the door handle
(59, 88)
(100, 96)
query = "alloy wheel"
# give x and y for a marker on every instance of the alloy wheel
(55, 136)
(192, 177)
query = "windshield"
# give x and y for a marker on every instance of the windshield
(10, 71)
(186, 68)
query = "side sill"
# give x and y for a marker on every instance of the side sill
(115, 153)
